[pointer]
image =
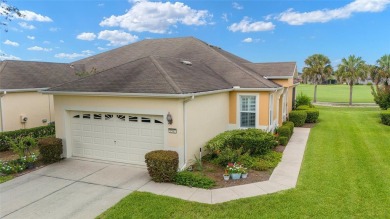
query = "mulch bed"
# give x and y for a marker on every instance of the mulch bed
(216, 172)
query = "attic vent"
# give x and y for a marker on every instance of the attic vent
(185, 62)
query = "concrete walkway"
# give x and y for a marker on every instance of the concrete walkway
(284, 177)
(69, 189)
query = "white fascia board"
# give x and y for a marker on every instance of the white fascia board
(278, 77)
(155, 94)
(22, 90)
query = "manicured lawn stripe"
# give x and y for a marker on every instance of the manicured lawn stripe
(345, 174)
(338, 93)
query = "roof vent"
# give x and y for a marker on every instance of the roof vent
(185, 62)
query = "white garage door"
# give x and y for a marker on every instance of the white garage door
(116, 137)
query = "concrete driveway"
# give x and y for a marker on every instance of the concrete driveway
(69, 189)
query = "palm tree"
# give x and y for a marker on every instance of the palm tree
(380, 74)
(317, 69)
(350, 71)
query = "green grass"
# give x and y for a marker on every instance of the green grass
(5, 178)
(345, 174)
(338, 93)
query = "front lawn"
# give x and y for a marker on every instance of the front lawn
(345, 173)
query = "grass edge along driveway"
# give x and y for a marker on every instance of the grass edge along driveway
(345, 173)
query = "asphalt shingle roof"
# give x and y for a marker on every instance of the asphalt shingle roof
(156, 66)
(273, 69)
(30, 75)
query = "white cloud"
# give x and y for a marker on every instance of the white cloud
(83, 54)
(117, 37)
(11, 43)
(86, 36)
(26, 25)
(246, 25)
(322, 16)
(31, 37)
(4, 56)
(101, 48)
(225, 17)
(38, 48)
(46, 42)
(237, 6)
(32, 16)
(54, 29)
(61, 41)
(157, 17)
(247, 40)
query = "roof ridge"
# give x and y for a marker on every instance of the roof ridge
(3, 64)
(253, 75)
(166, 75)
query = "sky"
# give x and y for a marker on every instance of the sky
(259, 31)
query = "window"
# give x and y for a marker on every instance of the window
(97, 116)
(86, 116)
(248, 111)
(145, 119)
(108, 116)
(133, 119)
(121, 117)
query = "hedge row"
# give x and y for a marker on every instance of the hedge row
(162, 165)
(385, 117)
(285, 132)
(298, 117)
(37, 132)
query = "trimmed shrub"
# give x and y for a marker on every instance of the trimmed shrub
(385, 117)
(267, 161)
(37, 132)
(284, 131)
(312, 115)
(255, 141)
(283, 140)
(298, 117)
(162, 165)
(302, 99)
(192, 179)
(303, 107)
(50, 149)
(290, 125)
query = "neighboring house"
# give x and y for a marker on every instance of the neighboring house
(21, 104)
(171, 94)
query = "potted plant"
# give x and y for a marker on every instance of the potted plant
(226, 175)
(234, 170)
(244, 172)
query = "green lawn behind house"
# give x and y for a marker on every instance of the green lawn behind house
(338, 93)
(345, 174)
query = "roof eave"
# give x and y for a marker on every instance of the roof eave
(23, 90)
(278, 77)
(157, 95)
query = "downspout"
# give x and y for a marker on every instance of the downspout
(1, 110)
(185, 130)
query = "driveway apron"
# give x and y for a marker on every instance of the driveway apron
(69, 189)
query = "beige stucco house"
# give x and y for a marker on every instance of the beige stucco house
(21, 103)
(171, 94)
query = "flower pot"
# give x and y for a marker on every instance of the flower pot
(244, 175)
(226, 177)
(236, 175)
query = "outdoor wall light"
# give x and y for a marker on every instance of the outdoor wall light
(169, 118)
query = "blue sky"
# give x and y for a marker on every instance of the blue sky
(260, 31)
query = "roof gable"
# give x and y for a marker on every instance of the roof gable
(273, 69)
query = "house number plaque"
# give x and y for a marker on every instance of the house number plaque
(172, 130)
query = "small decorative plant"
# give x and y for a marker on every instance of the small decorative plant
(234, 168)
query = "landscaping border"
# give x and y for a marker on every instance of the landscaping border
(284, 176)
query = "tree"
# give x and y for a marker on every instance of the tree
(8, 12)
(317, 69)
(380, 74)
(350, 71)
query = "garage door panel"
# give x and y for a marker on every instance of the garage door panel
(116, 137)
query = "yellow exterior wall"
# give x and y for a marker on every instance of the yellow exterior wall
(146, 106)
(263, 107)
(34, 105)
(206, 117)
